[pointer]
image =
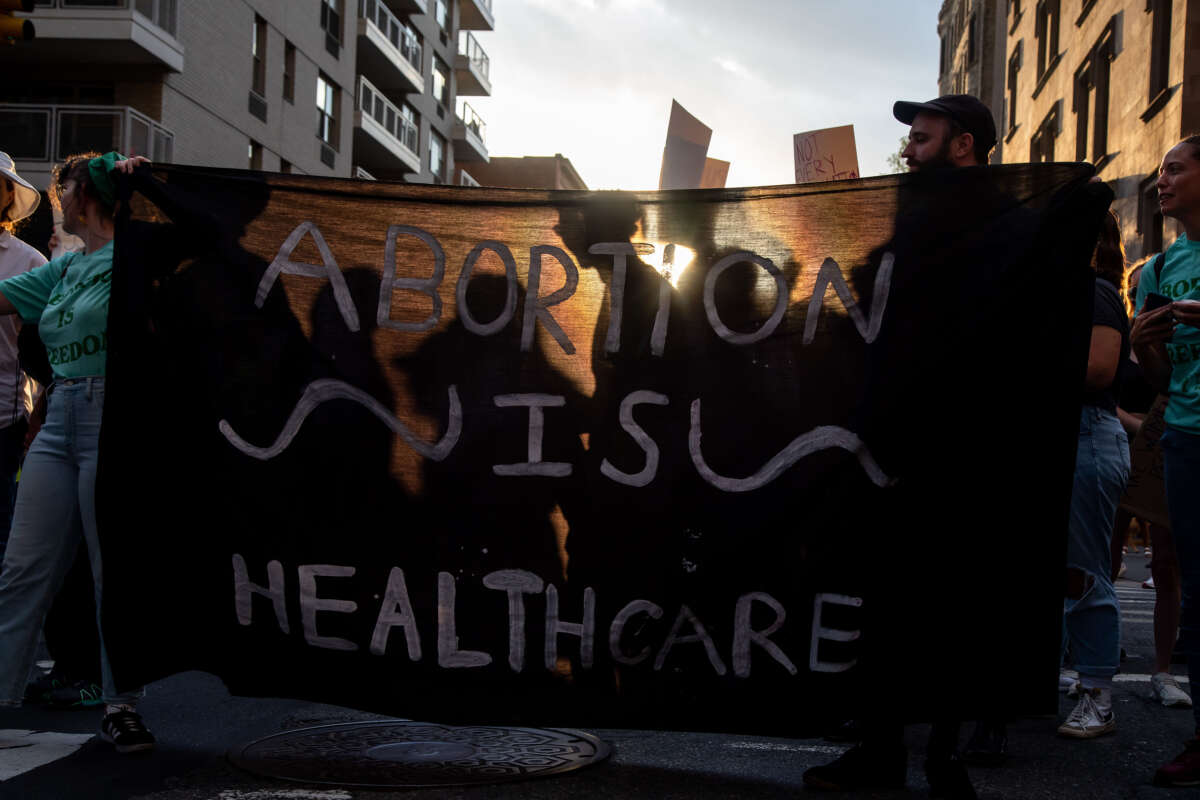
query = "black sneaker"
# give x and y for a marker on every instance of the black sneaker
(861, 767)
(126, 731)
(948, 780)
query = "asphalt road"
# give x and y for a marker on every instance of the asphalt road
(197, 722)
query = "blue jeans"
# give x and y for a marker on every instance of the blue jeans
(1181, 473)
(1093, 620)
(55, 506)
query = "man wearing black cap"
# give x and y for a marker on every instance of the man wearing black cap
(955, 130)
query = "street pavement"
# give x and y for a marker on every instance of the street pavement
(197, 722)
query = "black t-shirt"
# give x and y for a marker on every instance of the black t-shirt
(1135, 395)
(1110, 312)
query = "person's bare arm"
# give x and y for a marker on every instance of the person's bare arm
(5, 306)
(1132, 423)
(1104, 357)
(1149, 335)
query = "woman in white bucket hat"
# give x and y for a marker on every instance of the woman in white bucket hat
(18, 198)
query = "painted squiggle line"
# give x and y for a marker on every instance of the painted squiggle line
(320, 391)
(825, 437)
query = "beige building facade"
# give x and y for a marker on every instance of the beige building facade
(350, 88)
(1112, 82)
(973, 44)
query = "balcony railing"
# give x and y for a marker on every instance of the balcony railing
(372, 103)
(161, 12)
(472, 122)
(468, 46)
(49, 133)
(475, 15)
(396, 32)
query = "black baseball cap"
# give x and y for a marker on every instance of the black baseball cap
(971, 115)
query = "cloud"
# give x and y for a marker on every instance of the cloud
(594, 79)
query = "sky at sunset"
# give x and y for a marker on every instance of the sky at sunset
(594, 80)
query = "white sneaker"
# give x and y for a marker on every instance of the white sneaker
(1092, 717)
(1166, 690)
(1148, 583)
(1067, 678)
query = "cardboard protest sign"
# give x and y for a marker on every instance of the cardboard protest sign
(466, 455)
(714, 175)
(1146, 494)
(828, 154)
(684, 161)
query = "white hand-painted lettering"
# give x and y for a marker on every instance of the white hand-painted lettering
(328, 269)
(244, 591)
(831, 273)
(537, 423)
(538, 308)
(515, 583)
(744, 636)
(825, 437)
(819, 632)
(510, 300)
(325, 389)
(619, 622)
(426, 286)
(395, 610)
(586, 630)
(310, 604)
(647, 444)
(710, 301)
(699, 634)
(449, 655)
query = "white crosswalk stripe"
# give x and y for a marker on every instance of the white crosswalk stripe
(22, 751)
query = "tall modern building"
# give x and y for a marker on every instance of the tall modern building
(529, 172)
(972, 35)
(364, 88)
(1112, 82)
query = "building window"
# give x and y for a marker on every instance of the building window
(1014, 15)
(331, 23)
(1041, 144)
(441, 82)
(1160, 46)
(258, 49)
(289, 72)
(437, 156)
(328, 100)
(441, 14)
(1150, 218)
(943, 62)
(254, 151)
(1045, 30)
(1014, 67)
(410, 127)
(285, 166)
(1091, 89)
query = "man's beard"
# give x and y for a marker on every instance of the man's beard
(940, 160)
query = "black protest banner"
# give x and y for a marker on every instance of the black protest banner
(736, 459)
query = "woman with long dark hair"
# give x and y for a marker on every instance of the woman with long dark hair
(1166, 337)
(1092, 615)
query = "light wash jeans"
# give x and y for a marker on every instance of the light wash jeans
(1181, 473)
(1093, 620)
(55, 506)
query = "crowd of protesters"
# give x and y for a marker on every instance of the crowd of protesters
(53, 511)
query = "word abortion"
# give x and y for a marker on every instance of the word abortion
(537, 308)
(396, 613)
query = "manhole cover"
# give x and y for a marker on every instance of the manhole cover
(397, 753)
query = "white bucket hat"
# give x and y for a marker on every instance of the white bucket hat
(25, 197)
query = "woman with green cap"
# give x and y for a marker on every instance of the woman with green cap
(68, 298)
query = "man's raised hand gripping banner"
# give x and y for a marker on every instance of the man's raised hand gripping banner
(725, 459)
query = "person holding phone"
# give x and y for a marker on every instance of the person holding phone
(1166, 338)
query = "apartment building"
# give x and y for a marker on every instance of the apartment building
(364, 88)
(973, 46)
(1112, 82)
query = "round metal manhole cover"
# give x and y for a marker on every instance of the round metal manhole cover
(399, 753)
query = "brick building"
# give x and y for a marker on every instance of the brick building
(366, 88)
(1113, 82)
(972, 35)
(529, 172)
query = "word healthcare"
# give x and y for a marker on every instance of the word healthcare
(396, 611)
(537, 309)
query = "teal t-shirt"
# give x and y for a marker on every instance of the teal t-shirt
(1179, 280)
(68, 298)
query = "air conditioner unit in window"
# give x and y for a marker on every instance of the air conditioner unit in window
(328, 155)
